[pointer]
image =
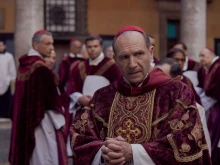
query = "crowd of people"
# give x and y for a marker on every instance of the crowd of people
(123, 106)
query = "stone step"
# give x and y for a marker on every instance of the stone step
(5, 123)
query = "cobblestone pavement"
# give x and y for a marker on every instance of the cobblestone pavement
(5, 134)
(4, 145)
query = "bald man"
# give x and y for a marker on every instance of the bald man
(69, 59)
(144, 118)
(211, 62)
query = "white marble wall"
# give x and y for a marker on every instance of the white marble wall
(193, 26)
(29, 17)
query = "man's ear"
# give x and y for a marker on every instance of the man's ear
(35, 45)
(114, 57)
(151, 52)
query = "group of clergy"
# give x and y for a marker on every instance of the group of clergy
(130, 109)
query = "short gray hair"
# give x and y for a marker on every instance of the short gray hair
(37, 37)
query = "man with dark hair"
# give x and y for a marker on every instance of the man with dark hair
(145, 118)
(179, 56)
(37, 117)
(153, 43)
(7, 80)
(192, 65)
(68, 60)
(211, 98)
(170, 67)
(83, 75)
(189, 64)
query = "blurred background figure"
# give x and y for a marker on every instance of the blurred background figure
(192, 69)
(153, 43)
(72, 56)
(51, 60)
(83, 52)
(189, 63)
(170, 67)
(7, 79)
(179, 56)
(173, 69)
(211, 98)
(109, 52)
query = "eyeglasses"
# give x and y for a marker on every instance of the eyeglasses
(179, 59)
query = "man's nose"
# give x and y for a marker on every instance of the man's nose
(132, 62)
(52, 47)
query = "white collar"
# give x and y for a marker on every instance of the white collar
(132, 85)
(73, 55)
(214, 59)
(97, 60)
(33, 52)
(186, 63)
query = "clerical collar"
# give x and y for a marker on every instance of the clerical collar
(186, 63)
(97, 60)
(136, 85)
(33, 52)
(214, 59)
(73, 55)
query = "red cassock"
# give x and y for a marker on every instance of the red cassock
(188, 82)
(64, 69)
(160, 115)
(196, 66)
(79, 71)
(35, 93)
(212, 89)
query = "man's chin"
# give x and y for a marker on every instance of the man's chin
(135, 81)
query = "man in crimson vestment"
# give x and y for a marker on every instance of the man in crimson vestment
(192, 65)
(173, 69)
(37, 117)
(144, 118)
(95, 71)
(211, 98)
(180, 57)
(68, 59)
(87, 76)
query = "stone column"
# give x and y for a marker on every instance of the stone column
(193, 26)
(29, 17)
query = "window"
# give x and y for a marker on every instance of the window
(66, 18)
(60, 15)
(217, 46)
(173, 33)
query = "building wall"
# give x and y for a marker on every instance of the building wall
(9, 12)
(107, 17)
(213, 23)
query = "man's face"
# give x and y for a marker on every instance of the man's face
(180, 58)
(109, 52)
(76, 47)
(180, 46)
(93, 48)
(132, 56)
(206, 57)
(45, 46)
(2, 46)
(51, 60)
